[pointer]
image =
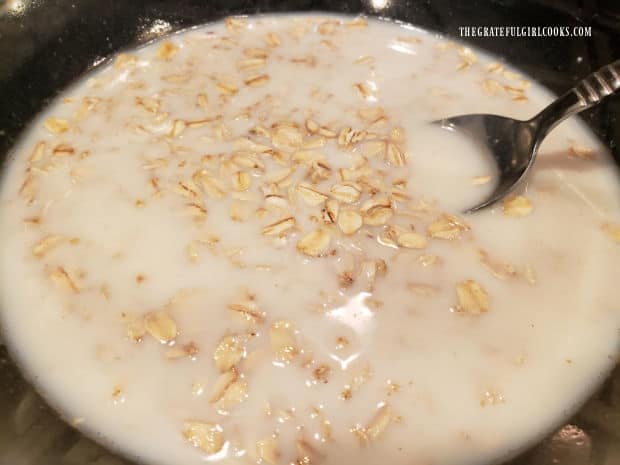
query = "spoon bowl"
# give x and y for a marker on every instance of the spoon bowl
(513, 144)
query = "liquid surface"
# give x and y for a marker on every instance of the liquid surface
(243, 245)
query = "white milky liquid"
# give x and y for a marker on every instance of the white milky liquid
(104, 228)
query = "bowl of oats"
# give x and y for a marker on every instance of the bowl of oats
(230, 235)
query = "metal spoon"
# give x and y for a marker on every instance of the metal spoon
(514, 143)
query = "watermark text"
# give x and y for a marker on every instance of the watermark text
(525, 31)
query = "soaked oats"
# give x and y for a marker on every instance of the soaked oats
(253, 251)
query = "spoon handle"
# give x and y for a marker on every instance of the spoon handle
(598, 85)
(585, 94)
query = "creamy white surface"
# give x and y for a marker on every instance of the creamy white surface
(541, 346)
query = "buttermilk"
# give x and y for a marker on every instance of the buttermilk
(245, 244)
